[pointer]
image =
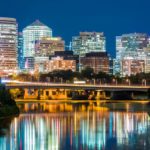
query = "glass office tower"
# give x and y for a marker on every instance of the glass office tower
(31, 35)
(130, 53)
(88, 42)
(20, 51)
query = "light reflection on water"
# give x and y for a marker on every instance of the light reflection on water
(76, 127)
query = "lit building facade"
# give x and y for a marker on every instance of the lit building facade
(49, 45)
(61, 60)
(147, 59)
(29, 63)
(67, 55)
(8, 46)
(98, 61)
(59, 63)
(41, 65)
(31, 35)
(88, 42)
(132, 66)
(20, 51)
(131, 52)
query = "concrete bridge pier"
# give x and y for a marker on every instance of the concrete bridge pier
(100, 95)
(31, 93)
(48, 94)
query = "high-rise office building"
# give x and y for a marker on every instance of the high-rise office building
(20, 51)
(147, 60)
(88, 42)
(8, 45)
(131, 52)
(49, 45)
(31, 35)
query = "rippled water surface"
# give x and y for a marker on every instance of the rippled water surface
(65, 126)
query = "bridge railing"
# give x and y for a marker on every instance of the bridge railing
(72, 84)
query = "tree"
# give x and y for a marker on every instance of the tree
(88, 73)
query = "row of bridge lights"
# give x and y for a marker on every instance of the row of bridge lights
(144, 82)
(115, 81)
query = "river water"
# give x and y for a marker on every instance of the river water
(66, 126)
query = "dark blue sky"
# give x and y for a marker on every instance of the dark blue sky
(68, 17)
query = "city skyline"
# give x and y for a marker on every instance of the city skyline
(74, 74)
(36, 41)
(111, 53)
(68, 18)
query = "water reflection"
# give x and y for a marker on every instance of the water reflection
(76, 127)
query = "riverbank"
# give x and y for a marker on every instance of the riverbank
(80, 101)
(8, 111)
(8, 105)
(79, 105)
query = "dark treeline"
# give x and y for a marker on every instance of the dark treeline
(88, 75)
(5, 97)
(8, 105)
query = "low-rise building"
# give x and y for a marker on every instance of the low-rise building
(98, 61)
(41, 65)
(61, 60)
(132, 67)
(59, 63)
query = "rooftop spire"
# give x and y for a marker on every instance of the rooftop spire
(37, 23)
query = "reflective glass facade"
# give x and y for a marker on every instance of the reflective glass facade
(32, 34)
(131, 48)
(20, 51)
(88, 42)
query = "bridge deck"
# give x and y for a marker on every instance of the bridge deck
(105, 87)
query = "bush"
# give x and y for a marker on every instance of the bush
(5, 97)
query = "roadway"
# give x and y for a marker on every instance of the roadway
(45, 85)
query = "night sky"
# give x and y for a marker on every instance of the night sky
(68, 17)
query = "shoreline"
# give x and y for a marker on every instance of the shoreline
(7, 111)
(81, 101)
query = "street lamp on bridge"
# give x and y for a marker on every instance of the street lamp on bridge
(144, 82)
(128, 81)
(115, 81)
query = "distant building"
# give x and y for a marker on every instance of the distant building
(20, 51)
(49, 45)
(8, 46)
(31, 35)
(132, 66)
(29, 63)
(67, 55)
(111, 63)
(147, 59)
(61, 60)
(88, 42)
(41, 65)
(98, 61)
(59, 63)
(131, 51)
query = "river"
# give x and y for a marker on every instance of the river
(67, 126)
